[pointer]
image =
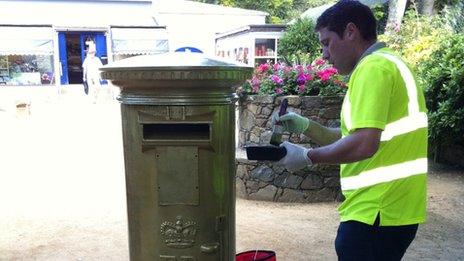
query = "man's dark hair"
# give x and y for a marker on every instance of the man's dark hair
(349, 11)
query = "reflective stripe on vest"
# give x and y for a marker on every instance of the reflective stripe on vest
(414, 121)
(404, 125)
(385, 174)
(408, 78)
(346, 110)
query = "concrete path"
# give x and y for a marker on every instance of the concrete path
(62, 195)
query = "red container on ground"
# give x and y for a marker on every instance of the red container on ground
(256, 255)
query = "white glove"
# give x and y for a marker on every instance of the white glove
(296, 157)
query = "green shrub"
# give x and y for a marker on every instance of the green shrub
(440, 4)
(381, 14)
(454, 16)
(442, 76)
(300, 43)
(417, 38)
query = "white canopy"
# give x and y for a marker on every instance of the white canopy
(77, 14)
(139, 40)
(26, 40)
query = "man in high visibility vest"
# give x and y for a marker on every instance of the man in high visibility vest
(381, 145)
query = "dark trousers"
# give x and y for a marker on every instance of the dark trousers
(361, 242)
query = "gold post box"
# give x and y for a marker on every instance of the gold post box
(178, 121)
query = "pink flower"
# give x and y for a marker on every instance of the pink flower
(308, 77)
(303, 78)
(324, 75)
(263, 68)
(320, 62)
(287, 69)
(277, 67)
(276, 79)
(332, 70)
(280, 78)
(299, 69)
(255, 84)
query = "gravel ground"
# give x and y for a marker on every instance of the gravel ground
(62, 196)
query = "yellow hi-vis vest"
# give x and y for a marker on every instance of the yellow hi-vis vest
(383, 94)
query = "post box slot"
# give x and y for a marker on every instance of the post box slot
(176, 131)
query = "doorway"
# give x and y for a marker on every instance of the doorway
(73, 49)
(73, 45)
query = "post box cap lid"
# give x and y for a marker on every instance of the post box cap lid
(172, 60)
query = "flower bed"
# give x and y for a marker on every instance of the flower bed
(318, 78)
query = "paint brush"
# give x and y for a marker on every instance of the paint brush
(277, 130)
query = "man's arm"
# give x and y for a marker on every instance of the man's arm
(295, 123)
(360, 145)
(322, 135)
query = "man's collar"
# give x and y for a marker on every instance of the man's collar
(374, 47)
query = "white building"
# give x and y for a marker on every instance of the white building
(196, 24)
(43, 41)
(251, 44)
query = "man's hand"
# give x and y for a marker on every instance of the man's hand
(296, 157)
(291, 122)
(294, 123)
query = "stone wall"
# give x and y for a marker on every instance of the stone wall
(266, 181)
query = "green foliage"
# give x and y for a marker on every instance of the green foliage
(443, 77)
(303, 5)
(300, 43)
(279, 10)
(432, 47)
(208, 1)
(454, 16)
(381, 15)
(417, 38)
(300, 6)
(440, 4)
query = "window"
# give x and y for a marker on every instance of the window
(26, 55)
(265, 51)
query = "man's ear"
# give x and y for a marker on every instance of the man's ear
(351, 31)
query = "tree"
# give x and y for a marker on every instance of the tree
(396, 10)
(426, 7)
(279, 10)
(300, 43)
